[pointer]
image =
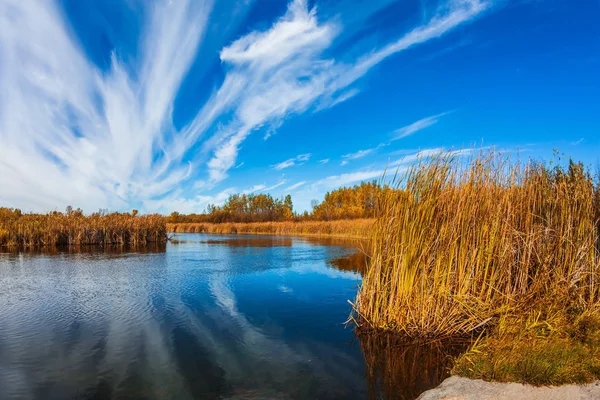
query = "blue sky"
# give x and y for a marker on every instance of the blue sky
(171, 105)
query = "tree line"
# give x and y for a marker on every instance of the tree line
(358, 201)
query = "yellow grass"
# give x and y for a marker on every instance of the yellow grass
(355, 228)
(467, 244)
(544, 348)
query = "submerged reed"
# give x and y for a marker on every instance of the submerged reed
(465, 243)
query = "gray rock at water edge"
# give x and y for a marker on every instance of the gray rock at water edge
(457, 388)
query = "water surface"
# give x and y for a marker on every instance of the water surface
(206, 316)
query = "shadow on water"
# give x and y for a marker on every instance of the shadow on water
(355, 262)
(397, 368)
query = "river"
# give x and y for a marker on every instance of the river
(202, 317)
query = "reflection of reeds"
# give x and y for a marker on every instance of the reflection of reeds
(401, 369)
(355, 228)
(113, 249)
(252, 242)
(356, 262)
(469, 241)
(55, 229)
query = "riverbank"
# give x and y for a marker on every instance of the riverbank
(346, 228)
(456, 388)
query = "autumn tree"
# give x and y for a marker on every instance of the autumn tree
(349, 202)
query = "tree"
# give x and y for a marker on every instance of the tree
(348, 202)
(288, 207)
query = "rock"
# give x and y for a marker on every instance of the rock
(457, 388)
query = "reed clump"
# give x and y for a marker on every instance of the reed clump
(75, 228)
(355, 228)
(469, 244)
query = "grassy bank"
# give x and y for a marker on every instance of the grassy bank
(494, 247)
(74, 228)
(355, 228)
(554, 348)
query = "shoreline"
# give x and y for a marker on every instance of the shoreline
(309, 235)
(358, 229)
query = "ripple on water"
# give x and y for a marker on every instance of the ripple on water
(207, 317)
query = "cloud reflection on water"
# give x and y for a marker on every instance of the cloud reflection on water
(169, 325)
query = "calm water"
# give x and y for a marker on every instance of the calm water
(235, 317)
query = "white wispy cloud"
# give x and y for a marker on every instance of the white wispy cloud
(71, 133)
(336, 181)
(295, 186)
(577, 142)
(285, 164)
(360, 154)
(324, 161)
(298, 160)
(417, 126)
(285, 289)
(433, 152)
(276, 185)
(255, 188)
(264, 188)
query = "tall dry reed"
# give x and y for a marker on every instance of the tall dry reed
(467, 242)
(36, 230)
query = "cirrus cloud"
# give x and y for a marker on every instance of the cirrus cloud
(72, 133)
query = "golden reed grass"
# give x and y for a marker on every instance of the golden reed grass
(37, 230)
(356, 228)
(468, 242)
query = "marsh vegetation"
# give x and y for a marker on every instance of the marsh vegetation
(503, 251)
(18, 229)
(355, 228)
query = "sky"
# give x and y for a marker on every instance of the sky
(171, 105)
